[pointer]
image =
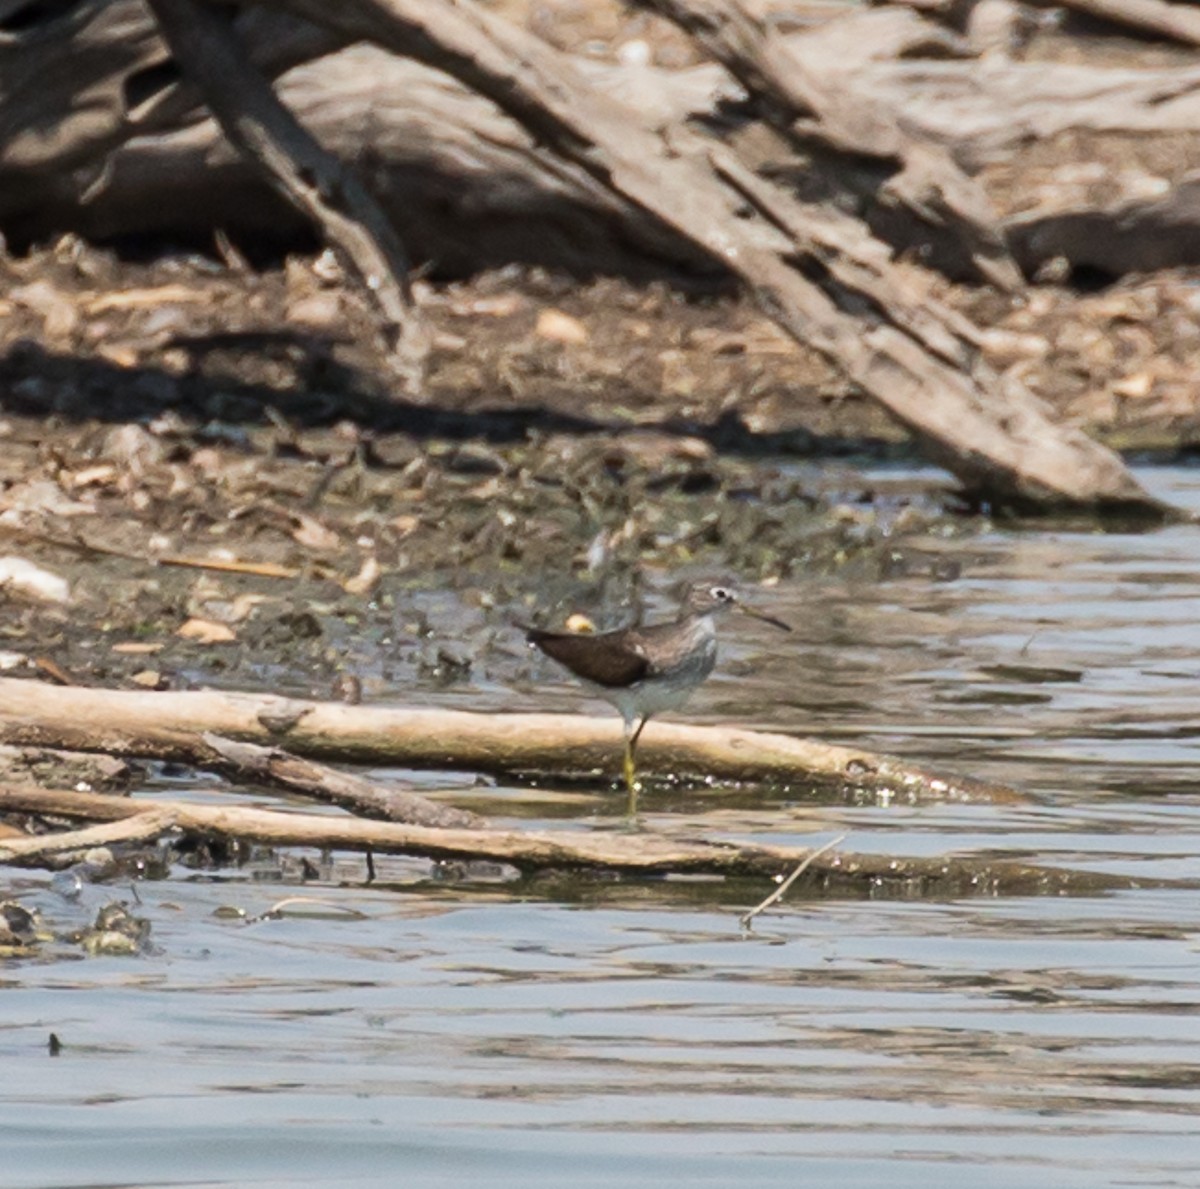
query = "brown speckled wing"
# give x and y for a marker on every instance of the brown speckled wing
(610, 659)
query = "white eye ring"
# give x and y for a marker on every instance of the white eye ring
(722, 594)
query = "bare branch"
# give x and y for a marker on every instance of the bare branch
(633, 854)
(254, 120)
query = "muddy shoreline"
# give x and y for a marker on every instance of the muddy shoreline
(578, 444)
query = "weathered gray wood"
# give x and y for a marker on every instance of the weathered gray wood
(469, 184)
(643, 854)
(314, 180)
(469, 178)
(80, 84)
(925, 179)
(1158, 18)
(997, 440)
(673, 186)
(141, 721)
(1133, 234)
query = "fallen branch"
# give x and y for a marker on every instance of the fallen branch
(1179, 22)
(244, 763)
(268, 765)
(633, 854)
(257, 123)
(433, 738)
(806, 104)
(483, 195)
(1000, 440)
(654, 176)
(146, 824)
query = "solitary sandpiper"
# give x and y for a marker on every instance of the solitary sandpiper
(643, 671)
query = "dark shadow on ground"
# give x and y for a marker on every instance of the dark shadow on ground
(325, 392)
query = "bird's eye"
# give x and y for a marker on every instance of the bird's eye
(722, 594)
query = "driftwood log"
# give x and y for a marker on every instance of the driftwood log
(144, 723)
(814, 107)
(637, 854)
(821, 277)
(470, 187)
(238, 761)
(1154, 18)
(165, 725)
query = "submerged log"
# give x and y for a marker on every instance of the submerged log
(631, 854)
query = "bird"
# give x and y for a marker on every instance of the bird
(644, 671)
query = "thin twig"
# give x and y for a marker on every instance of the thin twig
(781, 891)
(276, 911)
(78, 544)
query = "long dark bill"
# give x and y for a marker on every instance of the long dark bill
(755, 614)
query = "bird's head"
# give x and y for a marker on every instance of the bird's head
(713, 598)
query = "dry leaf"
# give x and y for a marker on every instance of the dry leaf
(243, 605)
(1136, 387)
(137, 648)
(131, 298)
(116, 353)
(366, 578)
(561, 328)
(90, 476)
(206, 631)
(312, 534)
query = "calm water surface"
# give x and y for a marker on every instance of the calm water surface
(632, 1036)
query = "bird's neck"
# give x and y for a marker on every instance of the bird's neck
(699, 626)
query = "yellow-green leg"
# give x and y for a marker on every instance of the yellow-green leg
(631, 782)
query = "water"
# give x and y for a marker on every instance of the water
(600, 1034)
